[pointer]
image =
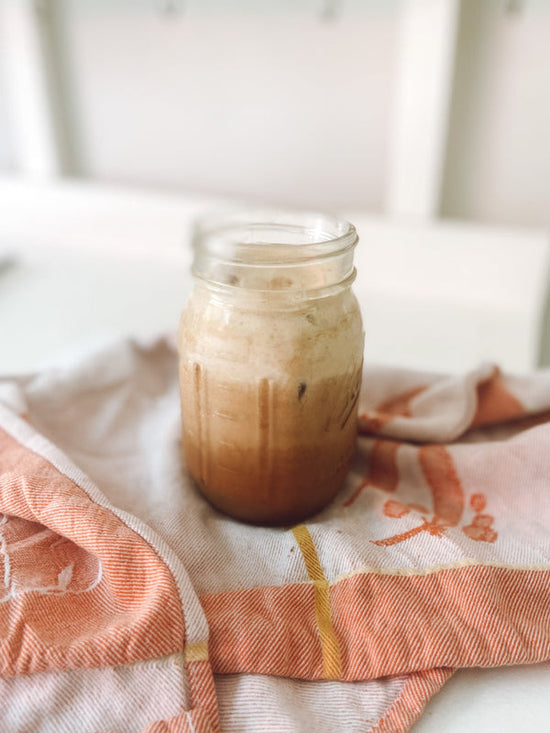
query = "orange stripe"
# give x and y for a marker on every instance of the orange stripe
(448, 495)
(417, 690)
(383, 469)
(399, 406)
(468, 616)
(203, 716)
(495, 403)
(271, 630)
(329, 643)
(131, 613)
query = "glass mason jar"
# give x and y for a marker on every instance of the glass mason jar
(270, 360)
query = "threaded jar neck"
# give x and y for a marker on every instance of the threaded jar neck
(265, 251)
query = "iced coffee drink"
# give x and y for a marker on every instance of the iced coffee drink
(271, 348)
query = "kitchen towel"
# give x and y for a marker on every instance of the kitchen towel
(129, 604)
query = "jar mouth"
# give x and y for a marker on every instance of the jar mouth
(273, 251)
(272, 238)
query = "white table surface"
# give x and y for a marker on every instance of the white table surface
(441, 298)
(91, 264)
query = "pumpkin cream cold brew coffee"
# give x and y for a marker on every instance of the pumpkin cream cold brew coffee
(271, 349)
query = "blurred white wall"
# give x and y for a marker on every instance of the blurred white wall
(498, 166)
(276, 105)
(6, 144)
(278, 101)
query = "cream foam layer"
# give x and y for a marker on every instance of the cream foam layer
(268, 335)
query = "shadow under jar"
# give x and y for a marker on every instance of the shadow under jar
(270, 360)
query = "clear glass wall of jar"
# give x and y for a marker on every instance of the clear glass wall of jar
(271, 351)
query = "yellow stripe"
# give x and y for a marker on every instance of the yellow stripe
(332, 666)
(196, 652)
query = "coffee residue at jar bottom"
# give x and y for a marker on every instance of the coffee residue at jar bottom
(269, 453)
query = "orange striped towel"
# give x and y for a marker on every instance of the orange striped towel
(128, 604)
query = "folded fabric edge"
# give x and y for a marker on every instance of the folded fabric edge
(49, 460)
(418, 690)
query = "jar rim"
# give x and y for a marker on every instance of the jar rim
(272, 237)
